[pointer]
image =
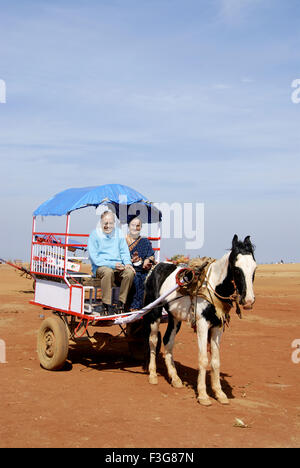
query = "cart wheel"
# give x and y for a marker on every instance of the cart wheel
(53, 343)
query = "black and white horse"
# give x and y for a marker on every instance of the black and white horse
(234, 272)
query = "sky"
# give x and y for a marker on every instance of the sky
(185, 101)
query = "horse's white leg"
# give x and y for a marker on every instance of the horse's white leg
(175, 380)
(202, 333)
(216, 334)
(153, 339)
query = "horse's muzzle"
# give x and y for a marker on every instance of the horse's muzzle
(248, 305)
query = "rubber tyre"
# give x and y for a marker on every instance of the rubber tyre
(53, 343)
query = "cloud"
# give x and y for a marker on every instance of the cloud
(162, 102)
(221, 86)
(234, 11)
(181, 101)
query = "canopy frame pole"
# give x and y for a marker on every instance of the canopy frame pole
(32, 241)
(159, 235)
(66, 248)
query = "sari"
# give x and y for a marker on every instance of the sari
(144, 249)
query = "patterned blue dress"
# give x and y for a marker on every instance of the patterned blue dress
(144, 249)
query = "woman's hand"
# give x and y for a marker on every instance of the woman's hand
(147, 264)
(135, 257)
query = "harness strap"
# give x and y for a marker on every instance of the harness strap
(194, 282)
(233, 298)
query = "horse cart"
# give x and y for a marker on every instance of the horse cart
(60, 268)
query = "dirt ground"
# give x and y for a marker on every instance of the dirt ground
(102, 397)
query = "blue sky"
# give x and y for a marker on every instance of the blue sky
(186, 101)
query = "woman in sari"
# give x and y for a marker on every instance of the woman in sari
(142, 257)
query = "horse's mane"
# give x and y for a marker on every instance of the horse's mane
(198, 262)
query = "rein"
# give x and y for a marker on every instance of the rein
(233, 298)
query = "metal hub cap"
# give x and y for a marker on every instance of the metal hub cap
(49, 343)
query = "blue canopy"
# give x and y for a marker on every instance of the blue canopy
(125, 201)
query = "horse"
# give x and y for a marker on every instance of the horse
(228, 280)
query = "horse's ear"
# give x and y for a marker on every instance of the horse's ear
(247, 240)
(234, 241)
(248, 244)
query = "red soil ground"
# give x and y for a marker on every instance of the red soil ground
(102, 397)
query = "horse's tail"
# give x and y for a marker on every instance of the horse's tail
(170, 328)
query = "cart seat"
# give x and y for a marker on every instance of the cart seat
(92, 281)
(95, 283)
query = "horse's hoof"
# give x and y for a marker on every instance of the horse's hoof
(221, 398)
(177, 383)
(223, 401)
(204, 401)
(153, 380)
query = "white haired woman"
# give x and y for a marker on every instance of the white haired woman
(142, 257)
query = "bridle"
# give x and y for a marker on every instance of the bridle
(234, 298)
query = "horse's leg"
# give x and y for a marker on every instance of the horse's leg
(202, 334)
(169, 340)
(216, 334)
(153, 339)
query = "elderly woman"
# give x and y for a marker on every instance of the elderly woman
(142, 257)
